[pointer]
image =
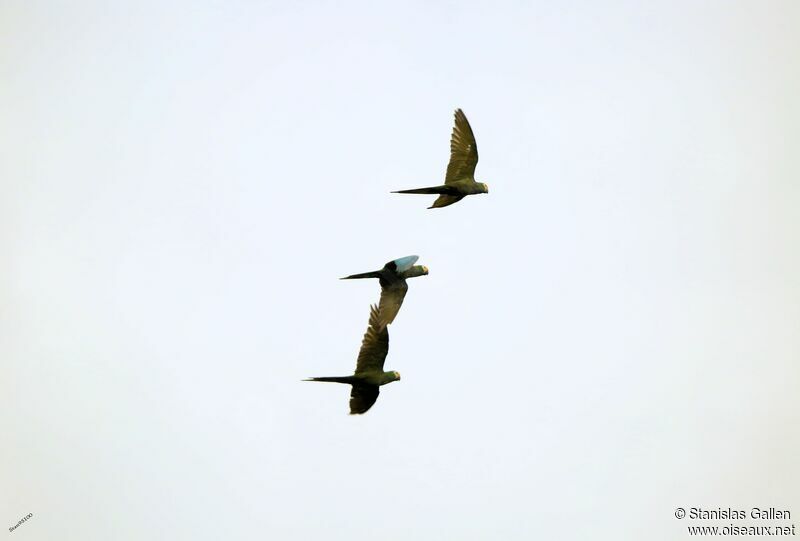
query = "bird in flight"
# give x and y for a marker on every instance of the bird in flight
(393, 284)
(369, 374)
(460, 178)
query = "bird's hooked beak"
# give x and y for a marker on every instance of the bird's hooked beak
(397, 375)
(486, 187)
(424, 269)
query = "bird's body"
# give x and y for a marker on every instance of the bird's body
(369, 374)
(374, 377)
(460, 178)
(392, 278)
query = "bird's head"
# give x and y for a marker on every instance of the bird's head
(395, 375)
(485, 187)
(416, 270)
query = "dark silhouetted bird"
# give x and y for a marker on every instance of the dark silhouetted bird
(393, 284)
(460, 178)
(369, 374)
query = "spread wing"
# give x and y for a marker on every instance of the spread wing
(391, 300)
(402, 264)
(362, 397)
(463, 151)
(374, 346)
(445, 200)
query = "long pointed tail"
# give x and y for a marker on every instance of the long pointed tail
(443, 189)
(334, 379)
(373, 274)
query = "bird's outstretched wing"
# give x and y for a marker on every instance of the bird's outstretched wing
(463, 151)
(391, 300)
(362, 397)
(402, 264)
(444, 200)
(374, 346)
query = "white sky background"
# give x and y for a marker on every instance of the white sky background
(609, 334)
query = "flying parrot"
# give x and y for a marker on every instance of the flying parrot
(393, 284)
(369, 374)
(460, 178)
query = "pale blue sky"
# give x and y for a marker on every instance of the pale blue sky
(609, 334)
